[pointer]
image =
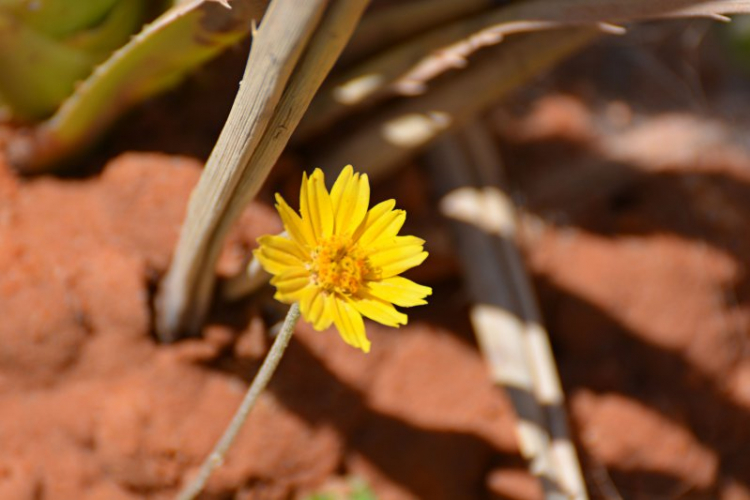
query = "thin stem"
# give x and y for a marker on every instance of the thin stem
(217, 456)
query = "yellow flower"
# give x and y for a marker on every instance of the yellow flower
(341, 261)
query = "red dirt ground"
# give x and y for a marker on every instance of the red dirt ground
(92, 407)
(636, 229)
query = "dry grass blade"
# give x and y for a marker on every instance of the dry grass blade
(331, 37)
(388, 137)
(335, 30)
(241, 161)
(278, 45)
(407, 68)
(504, 313)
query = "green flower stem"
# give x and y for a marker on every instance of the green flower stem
(217, 456)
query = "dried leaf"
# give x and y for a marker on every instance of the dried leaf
(379, 143)
(409, 67)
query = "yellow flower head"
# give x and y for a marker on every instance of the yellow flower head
(341, 261)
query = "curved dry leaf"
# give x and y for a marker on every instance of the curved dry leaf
(409, 67)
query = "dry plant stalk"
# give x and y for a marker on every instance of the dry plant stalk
(330, 38)
(407, 68)
(279, 83)
(504, 313)
(278, 45)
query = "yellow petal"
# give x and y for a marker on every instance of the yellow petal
(315, 306)
(386, 225)
(277, 254)
(380, 311)
(340, 186)
(315, 205)
(290, 284)
(400, 291)
(403, 252)
(399, 260)
(350, 197)
(283, 243)
(388, 243)
(374, 214)
(294, 225)
(349, 323)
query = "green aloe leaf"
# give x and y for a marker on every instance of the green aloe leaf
(159, 57)
(112, 32)
(58, 18)
(40, 69)
(37, 71)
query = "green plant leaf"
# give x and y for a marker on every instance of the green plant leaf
(112, 32)
(361, 491)
(38, 72)
(40, 69)
(58, 18)
(159, 57)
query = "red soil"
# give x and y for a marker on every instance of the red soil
(93, 407)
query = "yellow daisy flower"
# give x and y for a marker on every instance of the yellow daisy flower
(341, 261)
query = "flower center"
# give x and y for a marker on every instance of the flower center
(338, 265)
